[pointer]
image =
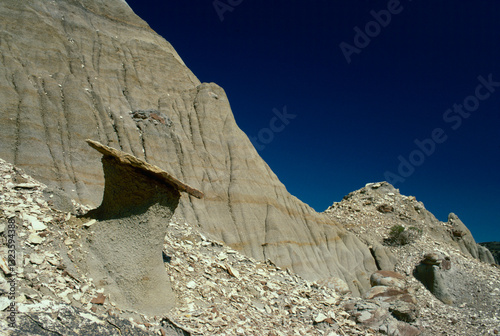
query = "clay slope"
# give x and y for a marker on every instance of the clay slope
(72, 70)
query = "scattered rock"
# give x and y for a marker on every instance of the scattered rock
(35, 239)
(385, 208)
(100, 299)
(63, 319)
(337, 284)
(432, 259)
(320, 318)
(36, 225)
(90, 223)
(4, 266)
(455, 262)
(37, 259)
(191, 285)
(4, 303)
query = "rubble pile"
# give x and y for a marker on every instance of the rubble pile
(222, 292)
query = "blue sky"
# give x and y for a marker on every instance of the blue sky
(405, 91)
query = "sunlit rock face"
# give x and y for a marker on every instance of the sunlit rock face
(72, 70)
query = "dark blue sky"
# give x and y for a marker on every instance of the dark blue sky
(356, 121)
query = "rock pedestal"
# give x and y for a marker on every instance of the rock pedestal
(125, 243)
(431, 273)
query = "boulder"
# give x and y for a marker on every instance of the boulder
(404, 311)
(385, 293)
(434, 278)
(384, 258)
(390, 319)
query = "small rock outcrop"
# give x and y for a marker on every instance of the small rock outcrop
(461, 234)
(494, 248)
(434, 277)
(124, 236)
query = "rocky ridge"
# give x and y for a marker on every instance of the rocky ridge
(472, 285)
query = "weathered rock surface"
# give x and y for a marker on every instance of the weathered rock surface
(72, 70)
(461, 234)
(494, 248)
(122, 240)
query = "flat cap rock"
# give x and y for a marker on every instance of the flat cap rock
(146, 168)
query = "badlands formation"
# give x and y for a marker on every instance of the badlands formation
(183, 229)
